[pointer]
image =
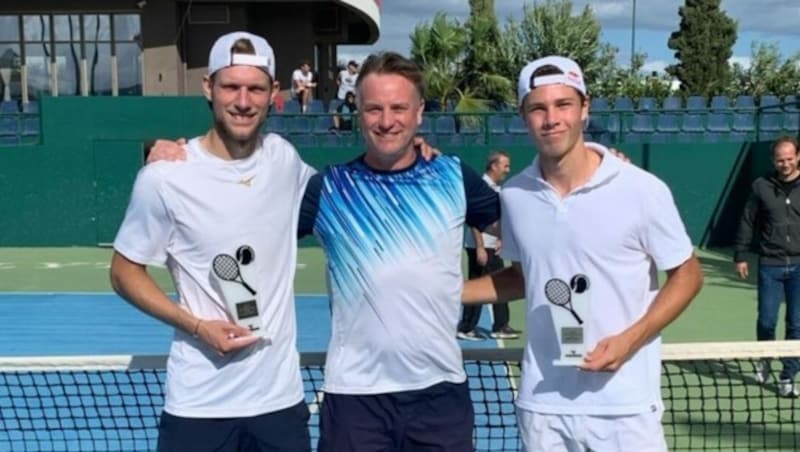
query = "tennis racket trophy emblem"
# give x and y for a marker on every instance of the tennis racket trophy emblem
(569, 306)
(239, 296)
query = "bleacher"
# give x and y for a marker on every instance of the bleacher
(19, 123)
(612, 121)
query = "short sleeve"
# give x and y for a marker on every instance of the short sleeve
(664, 235)
(483, 203)
(310, 206)
(510, 249)
(145, 232)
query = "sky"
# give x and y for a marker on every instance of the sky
(765, 21)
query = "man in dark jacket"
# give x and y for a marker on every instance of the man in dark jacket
(772, 215)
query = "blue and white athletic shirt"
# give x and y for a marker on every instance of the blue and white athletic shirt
(393, 243)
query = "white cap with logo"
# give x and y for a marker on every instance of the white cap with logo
(571, 75)
(222, 57)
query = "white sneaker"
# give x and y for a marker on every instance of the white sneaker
(762, 371)
(786, 388)
(470, 336)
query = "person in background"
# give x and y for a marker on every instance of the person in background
(483, 257)
(772, 217)
(343, 115)
(278, 102)
(347, 80)
(302, 84)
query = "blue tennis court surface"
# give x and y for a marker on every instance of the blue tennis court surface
(117, 410)
(37, 324)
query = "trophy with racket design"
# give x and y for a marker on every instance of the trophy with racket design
(573, 301)
(239, 296)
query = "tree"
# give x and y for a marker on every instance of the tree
(483, 55)
(549, 28)
(438, 48)
(767, 74)
(703, 45)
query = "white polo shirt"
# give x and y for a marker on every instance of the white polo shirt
(618, 230)
(181, 215)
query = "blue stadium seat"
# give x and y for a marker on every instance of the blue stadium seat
(647, 104)
(689, 137)
(659, 138)
(642, 122)
(425, 127)
(693, 122)
(9, 140)
(744, 122)
(322, 124)
(30, 125)
(316, 106)
(769, 100)
(9, 106)
(668, 122)
(713, 137)
(719, 122)
(291, 106)
(334, 104)
(445, 125)
(790, 103)
(517, 126)
(672, 103)
(791, 121)
(613, 124)
(304, 140)
(300, 125)
(497, 124)
(454, 139)
(31, 107)
(276, 124)
(9, 125)
(330, 140)
(738, 137)
(744, 102)
(696, 103)
(770, 121)
(430, 138)
(623, 103)
(720, 103)
(636, 137)
(471, 125)
(598, 104)
(502, 139)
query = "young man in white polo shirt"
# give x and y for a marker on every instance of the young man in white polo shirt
(227, 389)
(579, 210)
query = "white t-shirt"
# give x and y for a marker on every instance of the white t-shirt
(618, 230)
(181, 215)
(347, 82)
(304, 79)
(489, 241)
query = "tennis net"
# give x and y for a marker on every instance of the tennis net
(112, 403)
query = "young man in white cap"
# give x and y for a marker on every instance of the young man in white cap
(579, 211)
(227, 389)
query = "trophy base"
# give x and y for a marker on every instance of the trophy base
(568, 361)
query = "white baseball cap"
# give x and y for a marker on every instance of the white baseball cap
(222, 57)
(571, 76)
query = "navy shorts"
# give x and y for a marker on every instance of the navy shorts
(439, 418)
(282, 431)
